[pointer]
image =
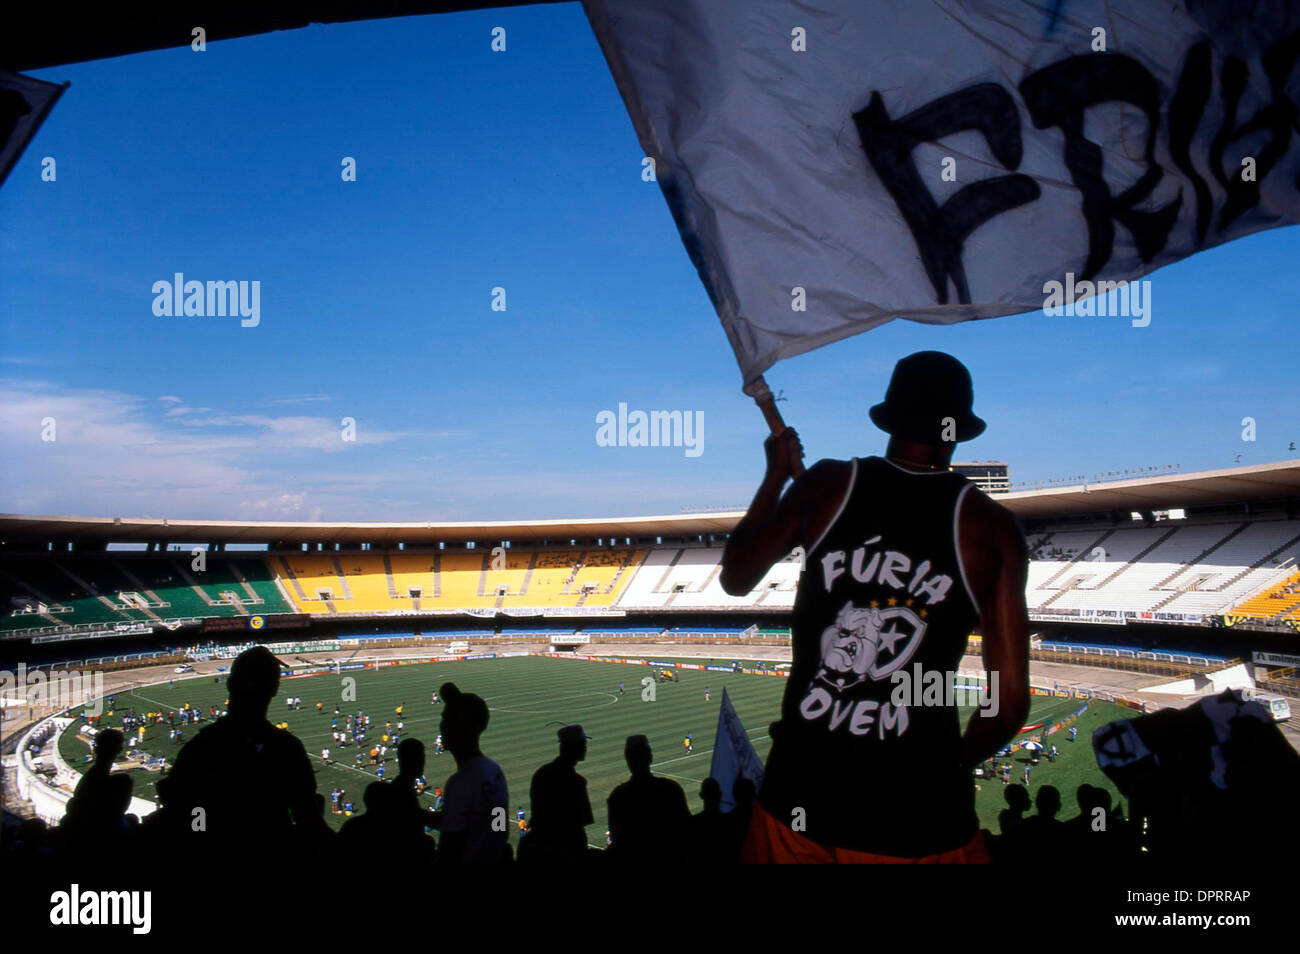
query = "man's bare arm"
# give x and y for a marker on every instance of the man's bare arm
(1004, 624)
(770, 528)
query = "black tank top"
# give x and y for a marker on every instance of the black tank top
(882, 594)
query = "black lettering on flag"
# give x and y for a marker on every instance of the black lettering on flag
(940, 231)
(1185, 112)
(1277, 119)
(1058, 95)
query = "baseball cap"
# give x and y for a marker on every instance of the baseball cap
(572, 733)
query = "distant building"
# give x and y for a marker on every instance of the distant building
(990, 476)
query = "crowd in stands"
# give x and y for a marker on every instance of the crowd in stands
(245, 789)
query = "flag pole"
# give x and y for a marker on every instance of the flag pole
(762, 395)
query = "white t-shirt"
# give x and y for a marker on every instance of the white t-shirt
(473, 792)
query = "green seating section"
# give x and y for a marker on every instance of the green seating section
(76, 588)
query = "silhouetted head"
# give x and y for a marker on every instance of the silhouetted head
(108, 746)
(573, 743)
(929, 401)
(410, 757)
(32, 834)
(1017, 797)
(254, 680)
(1083, 795)
(464, 718)
(711, 794)
(638, 754)
(375, 795)
(1048, 801)
(743, 792)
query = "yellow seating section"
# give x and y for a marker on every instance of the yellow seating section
(557, 579)
(511, 575)
(1282, 601)
(365, 576)
(314, 572)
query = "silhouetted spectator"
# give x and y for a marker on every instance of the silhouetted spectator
(473, 819)
(32, 844)
(648, 816)
(710, 833)
(1041, 837)
(242, 786)
(743, 793)
(367, 838)
(95, 813)
(561, 808)
(1018, 803)
(405, 801)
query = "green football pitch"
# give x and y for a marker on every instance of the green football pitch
(528, 696)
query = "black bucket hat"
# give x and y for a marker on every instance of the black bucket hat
(926, 388)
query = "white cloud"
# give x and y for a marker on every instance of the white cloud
(118, 454)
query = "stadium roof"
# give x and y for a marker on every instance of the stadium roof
(1214, 487)
(1208, 487)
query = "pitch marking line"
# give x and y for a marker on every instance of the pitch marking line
(684, 778)
(693, 755)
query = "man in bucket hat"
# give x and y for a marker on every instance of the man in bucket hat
(561, 806)
(903, 558)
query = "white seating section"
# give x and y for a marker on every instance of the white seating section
(1241, 560)
(1065, 575)
(687, 578)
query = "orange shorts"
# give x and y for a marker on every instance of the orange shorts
(768, 842)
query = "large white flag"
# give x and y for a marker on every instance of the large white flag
(835, 164)
(733, 754)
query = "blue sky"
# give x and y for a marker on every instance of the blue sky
(476, 170)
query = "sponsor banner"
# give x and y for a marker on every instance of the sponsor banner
(65, 637)
(1275, 659)
(512, 655)
(481, 656)
(689, 666)
(448, 658)
(570, 639)
(719, 669)
(666, 665)
(349, 666)
(318, 645)
(234, 624)
(308, 671)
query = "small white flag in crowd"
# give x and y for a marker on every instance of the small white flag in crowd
(733, 754)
